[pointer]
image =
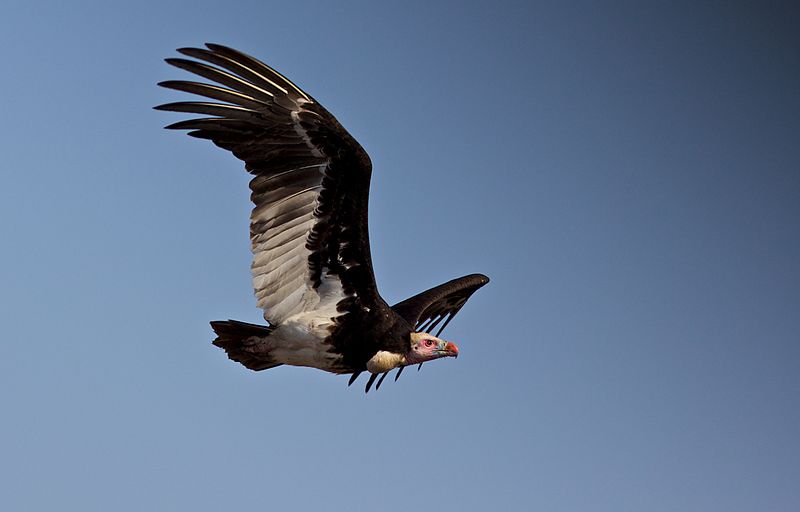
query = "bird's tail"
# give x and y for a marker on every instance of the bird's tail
(244, 343)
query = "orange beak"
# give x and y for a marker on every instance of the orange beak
(452, 349)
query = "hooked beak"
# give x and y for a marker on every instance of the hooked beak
(449, 349)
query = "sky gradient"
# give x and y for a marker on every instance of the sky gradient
(627, 173)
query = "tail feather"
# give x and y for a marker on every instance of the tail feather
(244, 343)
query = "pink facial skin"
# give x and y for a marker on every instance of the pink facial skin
(428, 349)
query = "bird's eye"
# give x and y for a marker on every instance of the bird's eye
(428, 343)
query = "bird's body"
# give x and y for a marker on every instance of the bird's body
(312, 270)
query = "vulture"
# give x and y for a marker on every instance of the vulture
(312, 271)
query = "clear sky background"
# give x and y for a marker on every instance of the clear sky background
(627, 173)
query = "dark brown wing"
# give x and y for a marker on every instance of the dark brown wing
(311, 259)
(441, 303)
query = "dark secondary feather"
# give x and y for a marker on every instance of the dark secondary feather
(428, 309)
(311, 179)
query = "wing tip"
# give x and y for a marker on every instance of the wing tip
(481, 278)
(174, 61)
(216, 46)
(186, 50)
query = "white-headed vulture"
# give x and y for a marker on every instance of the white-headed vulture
(312, 270)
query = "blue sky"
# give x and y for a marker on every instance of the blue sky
(627, 173)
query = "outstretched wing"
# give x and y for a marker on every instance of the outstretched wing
(441, 303)
(311, 259)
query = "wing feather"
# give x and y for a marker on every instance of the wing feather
(427, 309)
(308, 227)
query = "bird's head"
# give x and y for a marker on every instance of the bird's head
(425, 347)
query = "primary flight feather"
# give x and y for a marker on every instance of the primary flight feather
(312, 270)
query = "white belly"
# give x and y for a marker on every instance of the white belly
(301, 343)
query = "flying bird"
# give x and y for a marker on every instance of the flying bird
(311, 268)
